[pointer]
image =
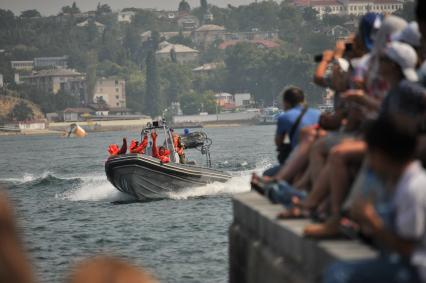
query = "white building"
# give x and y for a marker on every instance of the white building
(242, 99)
(99, 27)
(224, 100)
(112, 91)
(188, 22)
(55, 80)
(184, 54)
(22, 65)
(351, 7)
(125, 16)
(27, 125)
(51, 62)
(207, 34)
(1, 80)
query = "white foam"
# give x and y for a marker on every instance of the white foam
(239, 183)
(94, 188)
(98, 188)
(27, 177)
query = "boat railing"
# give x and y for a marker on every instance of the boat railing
(203, 147)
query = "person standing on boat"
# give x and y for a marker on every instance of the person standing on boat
(136, 147)
(161, 153)
(114, 150)
(178, 147)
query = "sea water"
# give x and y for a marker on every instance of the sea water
(68, 211)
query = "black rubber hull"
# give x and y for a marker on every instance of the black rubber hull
(145, 178)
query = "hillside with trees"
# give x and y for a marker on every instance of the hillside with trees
(151, 86)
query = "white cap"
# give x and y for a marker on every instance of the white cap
(343, 64)
(410, 35)
(405, 56)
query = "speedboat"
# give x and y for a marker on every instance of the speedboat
(269, 116)
(147, 178)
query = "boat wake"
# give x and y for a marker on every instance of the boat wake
(97, 188)
(239, 183)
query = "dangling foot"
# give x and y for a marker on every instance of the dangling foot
(296, 211)
(257, 184)
(328, 229)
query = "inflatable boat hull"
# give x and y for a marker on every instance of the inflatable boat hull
(145, 178)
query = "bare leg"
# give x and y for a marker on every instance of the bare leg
(319, 190)
(299, 159)
(340, 158)
(317, 159)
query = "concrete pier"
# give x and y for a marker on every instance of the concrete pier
(264, 249)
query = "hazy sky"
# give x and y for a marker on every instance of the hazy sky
(51, 7)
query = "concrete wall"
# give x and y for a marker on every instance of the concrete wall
(213, 117)
(104, 125)
(263, 249)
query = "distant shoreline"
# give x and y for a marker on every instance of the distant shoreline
(59, 129)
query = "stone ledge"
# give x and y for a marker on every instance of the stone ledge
(264, 249)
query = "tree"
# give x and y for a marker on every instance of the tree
(63, 100)
(175, 81)
(135, 91)
(193, 103)
(184, 7)
(152, 100)
(310, 14)
(132, 43)
(209, 103)
(204, 6)
(91, 63)
(30, 14)
(181, 39)
(21, 112)
(7, 20)
(73, 9)
(190, 104)
(103, 9)
(100, 101)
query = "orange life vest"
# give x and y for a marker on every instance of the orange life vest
(113, 149)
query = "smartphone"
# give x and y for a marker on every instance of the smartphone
(318, 58)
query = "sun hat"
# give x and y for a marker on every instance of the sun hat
(410, 35)
(405, 56)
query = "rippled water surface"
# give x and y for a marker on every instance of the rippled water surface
(68, 210)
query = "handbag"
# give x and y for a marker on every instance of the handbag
(285, 148)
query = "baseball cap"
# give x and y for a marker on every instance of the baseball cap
(405, 56)
(368, 26)
(410, 35)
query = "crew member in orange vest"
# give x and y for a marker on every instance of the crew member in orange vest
(161, 153)
(178, 147)
(114, 150)
(135, 147)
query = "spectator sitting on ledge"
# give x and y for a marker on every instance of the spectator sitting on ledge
(290, 123)
(393, 215)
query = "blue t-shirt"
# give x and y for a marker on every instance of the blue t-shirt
(288, 118)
